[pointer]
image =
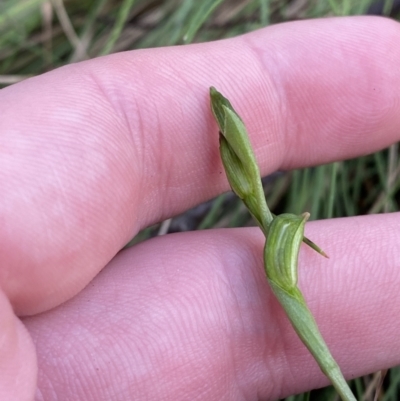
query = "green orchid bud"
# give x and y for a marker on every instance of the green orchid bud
(238, 159)
(284, 233)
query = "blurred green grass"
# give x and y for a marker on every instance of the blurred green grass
(39, 35)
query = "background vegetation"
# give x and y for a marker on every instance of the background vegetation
(40, 35)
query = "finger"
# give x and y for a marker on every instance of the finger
(18, 369)
(191, 316)
(94, 151)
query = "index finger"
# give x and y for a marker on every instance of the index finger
(94, 151)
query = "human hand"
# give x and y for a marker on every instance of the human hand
(93, 152)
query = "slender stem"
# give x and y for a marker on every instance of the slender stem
(332, 190)
(306, 328)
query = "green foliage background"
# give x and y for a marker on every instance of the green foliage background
(39, 35)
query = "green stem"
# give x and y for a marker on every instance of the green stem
(306, 328)
(122, 17)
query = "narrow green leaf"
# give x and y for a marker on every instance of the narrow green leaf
(202, 14)
(122, 17)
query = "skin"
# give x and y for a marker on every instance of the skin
(92, 152)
